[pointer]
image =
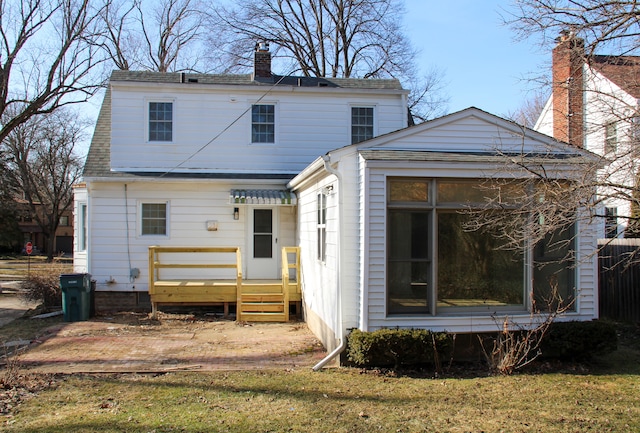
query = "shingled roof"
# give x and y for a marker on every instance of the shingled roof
(624, 71)
(98, 161)
(249, 80)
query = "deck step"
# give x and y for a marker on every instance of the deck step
(263, 317)
(262, 297)
(262, 307)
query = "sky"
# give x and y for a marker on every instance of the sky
(481, 63)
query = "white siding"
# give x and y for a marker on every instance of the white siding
(116, 244)
(306, 125)
(80, 264)
(320, 279)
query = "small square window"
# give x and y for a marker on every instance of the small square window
(263, 124)
(154, 219)
(361, 124)
(64, 221)
(160, 121)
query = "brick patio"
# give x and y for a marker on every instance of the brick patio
(111, 344)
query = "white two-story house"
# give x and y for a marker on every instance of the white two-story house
(262, 161)
(594, 105)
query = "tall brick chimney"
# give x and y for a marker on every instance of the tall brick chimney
(568, 89)
(262, 61)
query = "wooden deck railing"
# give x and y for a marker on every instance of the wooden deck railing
(213, 276)
(286, 275)
(194, 287)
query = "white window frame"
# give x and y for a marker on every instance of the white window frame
(374, 130)
(141, 203)
(275, 124)
(321, 225)
(82, 226)
(147, 107)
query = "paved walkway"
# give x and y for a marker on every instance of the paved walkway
(134, 343)
(12, 305)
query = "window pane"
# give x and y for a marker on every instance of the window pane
(408, 191)
(83, 227)
(263, 124)
(160, 121)
(479, 192)
(473, 270)
(553, 270)
(262, 233)
(361, 124)
(262, 246)
(409, 262)
(154, 219)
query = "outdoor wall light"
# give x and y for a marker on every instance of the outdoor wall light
(236, 213)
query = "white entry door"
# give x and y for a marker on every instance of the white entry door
(262, 257)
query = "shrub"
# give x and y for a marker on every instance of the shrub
(579, 340)
(43, 286)
(397, 347)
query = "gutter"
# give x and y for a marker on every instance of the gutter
(343, 338)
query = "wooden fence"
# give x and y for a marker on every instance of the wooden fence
(619, 275)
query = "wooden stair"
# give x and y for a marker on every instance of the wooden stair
(262, 302)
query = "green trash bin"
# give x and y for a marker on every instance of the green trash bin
(76, 297)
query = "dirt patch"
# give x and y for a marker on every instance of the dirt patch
(132, 342)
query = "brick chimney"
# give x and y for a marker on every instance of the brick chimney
(262, 61)
(568, 89)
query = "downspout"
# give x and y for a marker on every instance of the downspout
(343, 338)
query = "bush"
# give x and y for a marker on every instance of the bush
(43, 286)
(579, 340)
(397, 347)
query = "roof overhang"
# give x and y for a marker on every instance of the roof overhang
(273, 197)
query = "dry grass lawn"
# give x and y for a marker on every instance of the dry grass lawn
(603, 396)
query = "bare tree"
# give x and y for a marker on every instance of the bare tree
(529, 112)
(158, 36)
(610, 25)
(602, 117)
(328, 38)
(48, 57)
(43, 167)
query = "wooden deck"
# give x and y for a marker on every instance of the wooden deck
(213, 276)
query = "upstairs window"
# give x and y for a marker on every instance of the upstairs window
(361, 124)
(263, 127)
(610, 137)
(160, 121)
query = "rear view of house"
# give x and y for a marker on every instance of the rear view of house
(257, 167)
(204, 160)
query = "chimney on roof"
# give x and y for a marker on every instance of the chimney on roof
(262, 61)
(568, 89)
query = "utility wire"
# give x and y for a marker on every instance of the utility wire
(207, 144)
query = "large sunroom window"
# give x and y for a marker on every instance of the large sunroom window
(439, 261)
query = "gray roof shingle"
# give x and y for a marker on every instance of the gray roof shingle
(247, 79)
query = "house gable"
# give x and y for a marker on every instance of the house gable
(470, 131)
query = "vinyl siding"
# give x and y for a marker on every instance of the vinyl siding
(114, 249)
(306, 125)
